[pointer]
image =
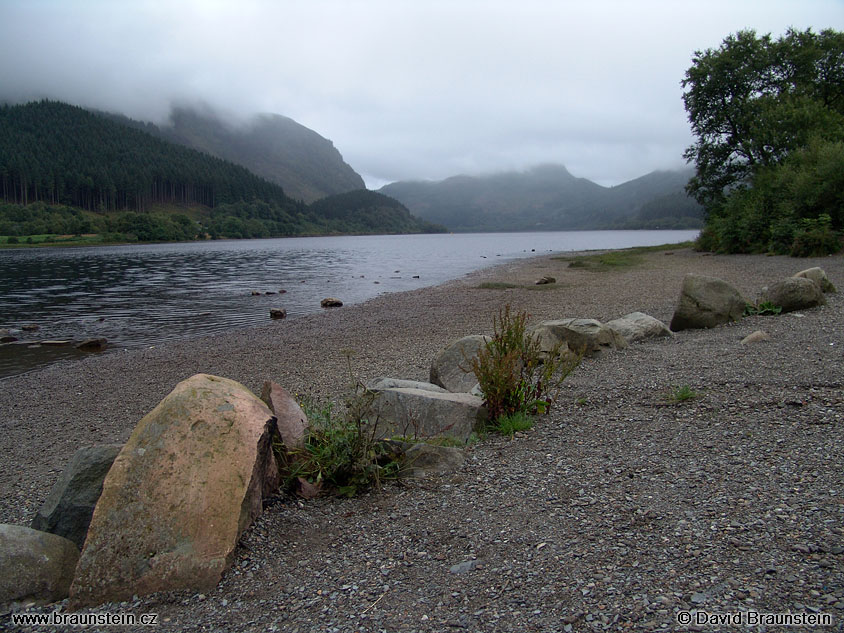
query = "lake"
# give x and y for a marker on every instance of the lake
(137, 295)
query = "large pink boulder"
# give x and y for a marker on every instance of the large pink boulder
(182, 490)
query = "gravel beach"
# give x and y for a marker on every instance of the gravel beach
(619, 510)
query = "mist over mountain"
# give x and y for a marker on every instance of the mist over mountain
(306, 165)
(548, 198)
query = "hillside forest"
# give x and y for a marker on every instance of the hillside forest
(67, 171)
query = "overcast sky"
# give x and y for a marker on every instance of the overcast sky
(406, 89)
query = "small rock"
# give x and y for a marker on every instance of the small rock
(432, 458)
(92, 345)
(306, 489)
(755, 337)
(31, 327)
(331, 302)
(818, 275)
(278, 313)
(255, 293)
(545, 280)
(464, 567)
(291, 420)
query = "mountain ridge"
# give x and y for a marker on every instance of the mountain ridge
(549, 197)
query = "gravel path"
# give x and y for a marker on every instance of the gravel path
(618, 511)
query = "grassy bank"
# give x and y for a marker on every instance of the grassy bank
(618, 259)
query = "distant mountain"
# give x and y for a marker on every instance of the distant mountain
(547, 198)
(306, 165)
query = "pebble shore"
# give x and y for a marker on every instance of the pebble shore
(620, 510)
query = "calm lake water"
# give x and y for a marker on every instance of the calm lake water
(145, 294)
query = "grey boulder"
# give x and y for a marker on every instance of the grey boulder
(586, 336)
(818, 275)
(381, 383)
(793, 293)
(707, 302)
(421, 413)
(68, 508)
(638, 326)
(35, 567)
(452, 367)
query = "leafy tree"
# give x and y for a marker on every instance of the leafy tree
(768, 117)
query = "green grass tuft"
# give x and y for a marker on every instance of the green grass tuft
(682, 393)
(513, 423)
(766, 308)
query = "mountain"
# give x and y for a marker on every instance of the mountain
(306, 165)
(548, 197)
(66, 170)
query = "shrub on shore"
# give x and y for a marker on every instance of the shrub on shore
(514, 374)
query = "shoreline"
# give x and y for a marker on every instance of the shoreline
(622, 477)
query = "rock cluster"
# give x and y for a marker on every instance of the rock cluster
(184, 487)
(707, 302)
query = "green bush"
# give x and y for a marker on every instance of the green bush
(815, 238)
(341, 454)
(514, 374)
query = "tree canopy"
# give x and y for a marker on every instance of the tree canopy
(768, 119)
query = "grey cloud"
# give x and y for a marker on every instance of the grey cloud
(404, 89)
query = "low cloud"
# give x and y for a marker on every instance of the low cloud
(404, 90)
